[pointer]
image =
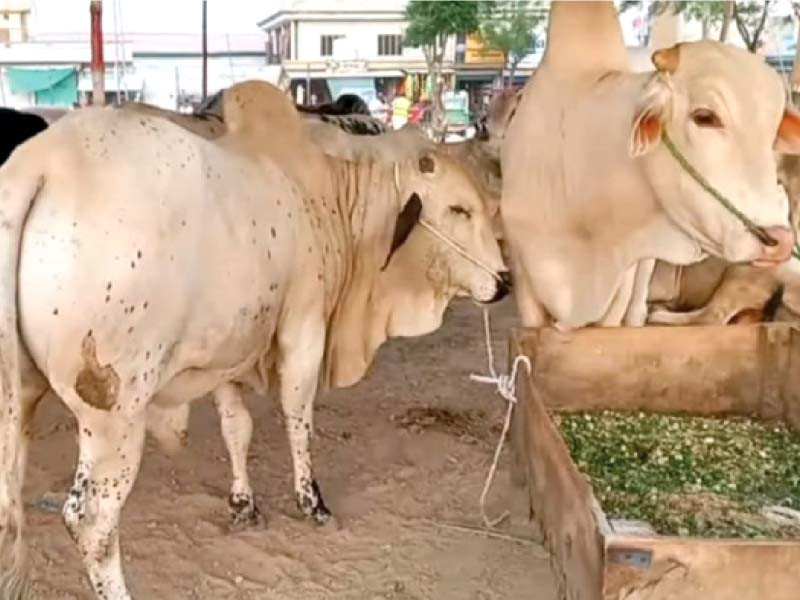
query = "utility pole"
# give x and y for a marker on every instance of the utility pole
(205, 49)
(98, 65)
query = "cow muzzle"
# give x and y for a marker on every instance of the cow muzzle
(779, 252)
(502, 287)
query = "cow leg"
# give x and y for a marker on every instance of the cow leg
(15, 422)
(237, 428)
(110, 450)
(636, 315)
(302, 348)
(532, 313)
(620, 301)
(169, 426)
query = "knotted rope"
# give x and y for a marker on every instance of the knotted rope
(506, 386)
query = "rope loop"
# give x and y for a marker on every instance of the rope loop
(506, 386)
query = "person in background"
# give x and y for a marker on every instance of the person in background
(400, 106)
(379, 108)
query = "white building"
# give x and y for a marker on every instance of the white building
(341, 46)
(45, 54)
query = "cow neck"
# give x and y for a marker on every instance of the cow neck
(358, 321)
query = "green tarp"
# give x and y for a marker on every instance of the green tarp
(58, 87)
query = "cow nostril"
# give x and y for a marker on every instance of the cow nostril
(505, 277)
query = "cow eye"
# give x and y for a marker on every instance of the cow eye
(704, 117)
(460, 210)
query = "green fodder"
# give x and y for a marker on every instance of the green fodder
(688, 475)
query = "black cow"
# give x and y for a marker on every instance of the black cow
(346, 104)
(15, 128)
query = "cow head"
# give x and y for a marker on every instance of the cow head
(725, 111)
(444, 232)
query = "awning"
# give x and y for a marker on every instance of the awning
(52, 86)
(481, 76)
(363, 86)
(298, 75)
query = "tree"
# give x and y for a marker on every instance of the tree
(508, 27)
(727, 17)
(710, 14)
(750, 18)
(430, 25)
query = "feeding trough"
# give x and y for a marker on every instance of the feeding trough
(751, 370)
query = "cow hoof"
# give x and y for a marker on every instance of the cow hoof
(320, 515)
(244, 513)
(312, 505)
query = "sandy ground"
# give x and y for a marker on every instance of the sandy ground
(396, 456)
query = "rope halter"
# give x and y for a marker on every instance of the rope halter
(446, 239)
(756, 230)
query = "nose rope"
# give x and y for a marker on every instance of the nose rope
(449, 241)
(756, 230)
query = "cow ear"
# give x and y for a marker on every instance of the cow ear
(406, 220)
(649, 116)
(788, 139)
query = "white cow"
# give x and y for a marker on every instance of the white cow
(592, 194)
(144, 265)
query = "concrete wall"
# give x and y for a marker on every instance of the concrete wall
(360, 40)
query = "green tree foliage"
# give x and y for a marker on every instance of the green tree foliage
(430, 25)
(709, 13)
(509, 27)
(750, 17)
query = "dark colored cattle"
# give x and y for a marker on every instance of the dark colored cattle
(346, 104)
(16, 127)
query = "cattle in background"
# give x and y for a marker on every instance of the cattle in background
(346, 104)
(587, 213)
(250, 261)
(17, 127)
(349, 112)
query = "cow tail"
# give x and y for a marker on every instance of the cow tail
(17, 192)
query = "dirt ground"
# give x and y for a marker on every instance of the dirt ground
(398, 456)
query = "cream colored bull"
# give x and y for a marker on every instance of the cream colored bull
(144, 265)
(591, 193)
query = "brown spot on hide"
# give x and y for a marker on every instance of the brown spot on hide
(97, 385)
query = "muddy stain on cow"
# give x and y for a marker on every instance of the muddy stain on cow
(97, 385)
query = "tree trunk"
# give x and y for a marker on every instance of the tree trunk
(506, 82)
(512, 71)
(704, 25)
(438, 114)
(795, 83)
(751, 39)
(727, 15)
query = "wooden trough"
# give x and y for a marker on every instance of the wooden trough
(749, 370)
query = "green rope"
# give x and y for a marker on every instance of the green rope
(757, 231)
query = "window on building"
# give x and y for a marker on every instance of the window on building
(326, 44)
(390, 45)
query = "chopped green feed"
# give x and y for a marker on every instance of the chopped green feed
(688, 475)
